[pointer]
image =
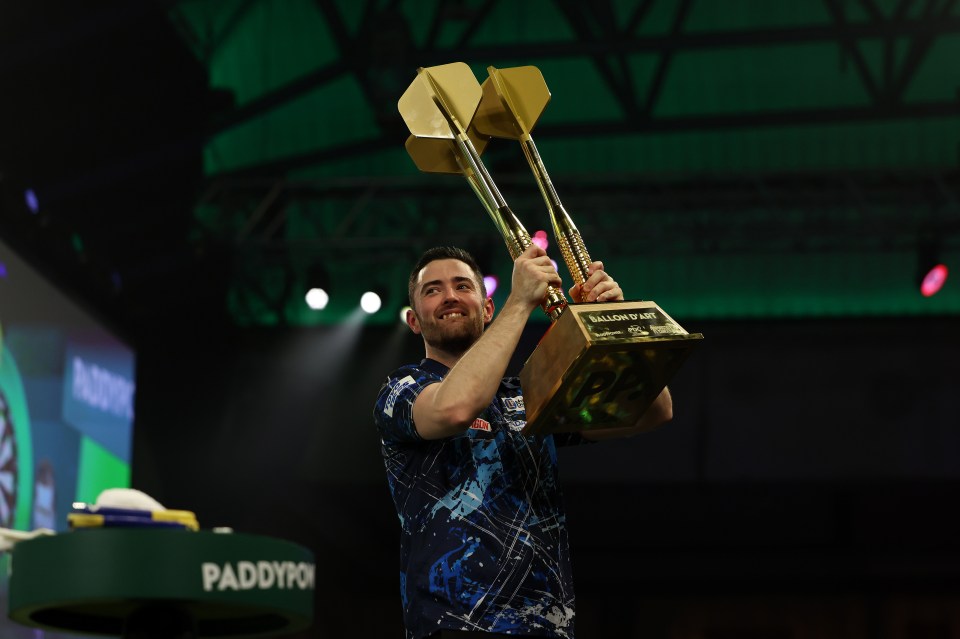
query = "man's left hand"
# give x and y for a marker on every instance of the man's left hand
(598, 287)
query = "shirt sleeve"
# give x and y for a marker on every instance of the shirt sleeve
(393, 412)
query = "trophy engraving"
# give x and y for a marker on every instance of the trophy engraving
(599, 365)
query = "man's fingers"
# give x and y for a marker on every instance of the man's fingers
(603, 289)
(533, 251)
(594, 267)
(608, 291)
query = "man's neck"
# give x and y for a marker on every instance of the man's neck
(444, 357)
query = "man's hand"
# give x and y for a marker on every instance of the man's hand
(598, 287)
(659, 413)
(532, 273)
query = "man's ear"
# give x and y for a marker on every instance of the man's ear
(412, 321)
(488, 311)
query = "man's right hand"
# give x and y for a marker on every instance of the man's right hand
(532, 273)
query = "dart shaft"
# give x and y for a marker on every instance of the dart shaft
(515, 236)
(565, 232)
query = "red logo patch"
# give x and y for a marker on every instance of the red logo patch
(481, 424)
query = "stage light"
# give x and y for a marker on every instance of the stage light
(490, 282)
(933, 281)
(318, 284)
(931, 272)
(30, 198)
(317, 299)
(370, 302)
(540, 239)
(403, 314)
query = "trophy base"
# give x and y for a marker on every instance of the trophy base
(601, 365)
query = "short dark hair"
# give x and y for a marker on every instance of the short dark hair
(444, 253)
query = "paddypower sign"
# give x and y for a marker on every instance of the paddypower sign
(239, 584)
(257, 575)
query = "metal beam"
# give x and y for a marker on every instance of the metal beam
(666, 57)
(931, 26)
(745, 213)
(850, 46)
(579, 17)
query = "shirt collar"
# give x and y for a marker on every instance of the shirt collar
(435, 367)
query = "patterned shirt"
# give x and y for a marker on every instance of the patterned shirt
(483, 532)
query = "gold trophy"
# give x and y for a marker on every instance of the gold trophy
(599, 365)
(438, 107)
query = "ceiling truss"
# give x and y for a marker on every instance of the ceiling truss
(382, 73)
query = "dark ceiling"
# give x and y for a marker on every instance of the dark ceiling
(729, 159)
(104, 121)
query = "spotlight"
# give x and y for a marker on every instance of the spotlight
(931, 272)
(403, 314)
(30, 199)
(317, 299)
(540, 239)
(317, 283)
(370, 302)
(933, 281)
(490, 282)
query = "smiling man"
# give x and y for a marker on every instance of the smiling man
(484, 548)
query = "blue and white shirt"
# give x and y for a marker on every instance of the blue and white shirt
(483, 532)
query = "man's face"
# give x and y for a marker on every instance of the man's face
(449, 309)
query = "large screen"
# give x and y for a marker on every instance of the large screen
(66, 408)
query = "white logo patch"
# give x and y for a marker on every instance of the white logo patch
(516, 425)
(513, 404)
(395, 393)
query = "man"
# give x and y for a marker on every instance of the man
(484, 544)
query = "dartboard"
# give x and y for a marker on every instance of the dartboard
(8, 465)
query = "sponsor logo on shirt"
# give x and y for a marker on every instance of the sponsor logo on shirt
(395, 393)
(513, 404)
(516, 424)
(480, 424)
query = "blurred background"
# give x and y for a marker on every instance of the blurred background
(777, 176)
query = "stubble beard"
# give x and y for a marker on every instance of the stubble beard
(456, 339)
